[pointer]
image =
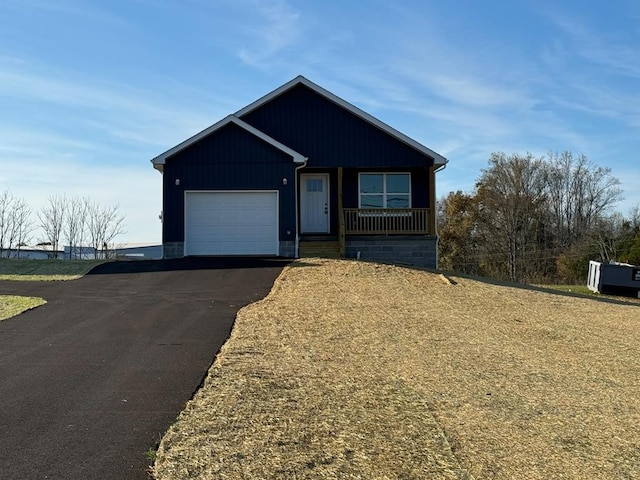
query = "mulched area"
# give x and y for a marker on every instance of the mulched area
(359, 370)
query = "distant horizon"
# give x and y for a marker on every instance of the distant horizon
(63, 245)
(91, 92)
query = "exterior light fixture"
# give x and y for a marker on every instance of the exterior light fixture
(177, 182)
(284, 181)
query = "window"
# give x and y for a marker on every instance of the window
(314, 185)
(385, 190)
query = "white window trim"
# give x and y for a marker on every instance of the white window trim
(384, 189)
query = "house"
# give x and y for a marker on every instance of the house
(296, 166)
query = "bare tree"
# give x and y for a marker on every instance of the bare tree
(634, 217)
(511, 200)
(52, 218)
(617, 238)
(580, 195)
(606, 237)
(21, 225)
(6, 201)
(15, 223)
(74, 225)
(104, 224)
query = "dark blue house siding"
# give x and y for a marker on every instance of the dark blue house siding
(329, 135)
(228, 159)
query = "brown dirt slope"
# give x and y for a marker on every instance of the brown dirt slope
(357, 370)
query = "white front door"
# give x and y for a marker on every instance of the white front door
(314, 203)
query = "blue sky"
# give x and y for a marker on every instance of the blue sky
(90, 91)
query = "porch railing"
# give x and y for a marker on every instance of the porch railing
(377, 221)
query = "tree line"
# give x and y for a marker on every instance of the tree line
(76, 221)
(537, 220)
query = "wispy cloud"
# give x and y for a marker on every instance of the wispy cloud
(67, 9)
(21, 141)
(79, 91)
(600, 49)
(470, 91)
(598, 100)
(130, 114)
(273, 26)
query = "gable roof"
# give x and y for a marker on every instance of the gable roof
(438, 159)
(159, 161)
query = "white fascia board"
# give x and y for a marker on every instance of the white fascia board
(159, 161)
(297, 157)
(438, 159)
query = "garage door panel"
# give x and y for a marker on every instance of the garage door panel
(231, 223)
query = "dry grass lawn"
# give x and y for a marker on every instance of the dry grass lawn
(11, 305)
(362, 371)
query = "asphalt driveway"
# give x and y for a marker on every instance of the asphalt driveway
(90, 381)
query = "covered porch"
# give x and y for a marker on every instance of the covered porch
(364, 205)
(384, 221)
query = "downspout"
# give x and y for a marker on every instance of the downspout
(296, 252)
(440, 168)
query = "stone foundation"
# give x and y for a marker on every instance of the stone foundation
(287, 248)
(176, 249)
(173, 250)
(418, 250)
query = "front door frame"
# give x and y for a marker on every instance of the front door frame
(303, 205)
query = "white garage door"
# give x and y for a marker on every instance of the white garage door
(231, 223)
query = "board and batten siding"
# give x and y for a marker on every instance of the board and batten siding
(228, 159)
(329, 135)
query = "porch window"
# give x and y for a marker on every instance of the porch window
(385, 190)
